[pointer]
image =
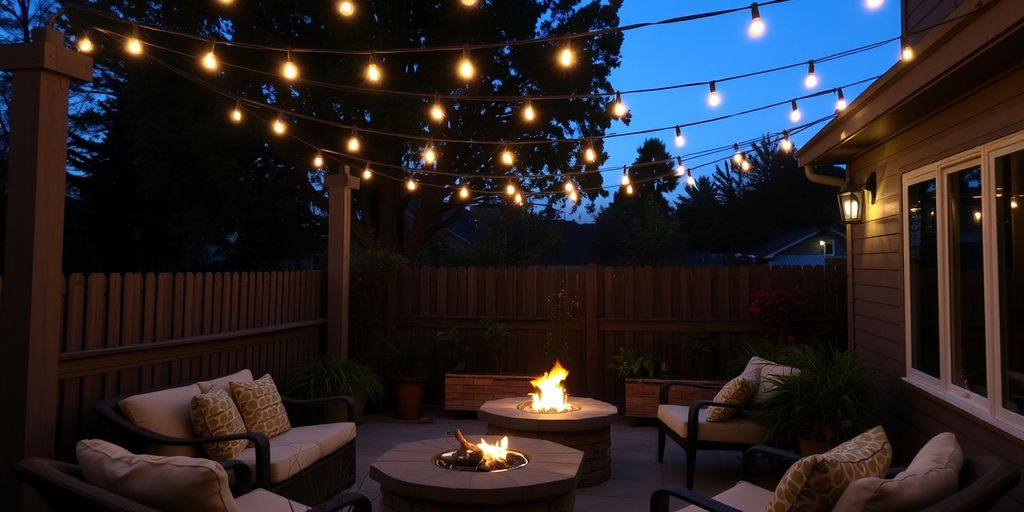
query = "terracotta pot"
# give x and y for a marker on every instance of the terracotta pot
(408, 399)
(808, 447)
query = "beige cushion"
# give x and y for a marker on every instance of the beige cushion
(300, 447)
(816, 482)
(742, 496)
(261, 407)
(169, 484)
(767, 369)
(223, 382)
(738, 391)
(737, 430)
(214, 414)
(261, 500)
(932, 476)
(164, 412)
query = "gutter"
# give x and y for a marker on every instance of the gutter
(820, 179)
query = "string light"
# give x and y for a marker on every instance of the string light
(134, 45)
(210, 59)
(566, 57)
(226, 2)
(873, 4)
(713, 97)
(519, 199)
(279, 126)
(84, 44)
(410, 184)
(289, 70)
(465, 68)
(236, 114)
(373, 72)
(429, 154)
(469, 3)
(436, 110)
(690, 182)
(680, 168)
(629, 190)
(619, 109)
(794, 114)
(745, 165)
(367, 173)
(811, 81)
(353, 144)
(346, 8)
(510, 188)
(589, 155)
(507, 157)
(680, 140)
(840, 100)
(569, 187)
(625, 176)
(737, 156)
(529, 114)
(463, 192)
(574, 197)
(907, 54)
(318, 160)
(756, 28)
(786, 145)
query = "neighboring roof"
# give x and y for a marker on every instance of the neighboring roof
(952, 61)
(793, 238)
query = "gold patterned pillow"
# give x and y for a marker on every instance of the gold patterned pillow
(737, 391)
(816, 482)
(261, 407)
(214, 414)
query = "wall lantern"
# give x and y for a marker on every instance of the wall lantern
(851, 200)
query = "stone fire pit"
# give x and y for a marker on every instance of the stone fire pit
(587, 430)
(410, 480)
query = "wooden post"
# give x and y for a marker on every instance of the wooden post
(31, 317)
(339, 254)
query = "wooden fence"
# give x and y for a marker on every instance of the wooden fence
(134, 332)
(651, 308)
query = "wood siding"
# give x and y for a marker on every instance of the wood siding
(920, 15)
(877, 296)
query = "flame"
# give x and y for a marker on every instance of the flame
(494, 452)
(551, 395)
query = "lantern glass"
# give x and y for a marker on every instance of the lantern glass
(851, 206)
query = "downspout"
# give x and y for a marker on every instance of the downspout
(820, 179)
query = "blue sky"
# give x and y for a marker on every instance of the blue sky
(701, 50)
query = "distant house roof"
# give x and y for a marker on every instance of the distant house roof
(772, 249)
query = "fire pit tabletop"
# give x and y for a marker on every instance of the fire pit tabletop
(408, 470)
(505, 413)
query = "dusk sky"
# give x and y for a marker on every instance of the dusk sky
(709, 49)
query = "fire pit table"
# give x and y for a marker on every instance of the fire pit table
(585, 427)
(412, 479)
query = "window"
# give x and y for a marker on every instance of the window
(963, 225)
(828, 247)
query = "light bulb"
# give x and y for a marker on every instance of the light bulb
(794, 115)
(565, 57)
(737, 157)
(346, 8)
(437, 111)
(691, 182)
(469, 3)
(756, 28)
(625, 178)
(279, 127)
(133, 46)
(619, 109)
(210, 61)
(811, 81)
(529, 114)
(589, 155)
(519, 199)
(85, 44)
(574, 197)
(680, 168)
(786, 145)
(367, 173)
(236, 115)
(318, 161)
(569, 187)
(289, 70)
(680, 140)
(464, 192)
(977, 217)
(510, 189)
(908, 53)
(507, 157)
(1013, 203)
(465, 68)
(429, 155)
(353, 144)
(373, 72)
(713, 97)
(410, 184)
(629, 189)
(873, 4)
(840, 100)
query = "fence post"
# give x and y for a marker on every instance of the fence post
(593, 353)
(339, 253)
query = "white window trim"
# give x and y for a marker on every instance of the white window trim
(987, 409)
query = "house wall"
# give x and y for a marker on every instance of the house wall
(919, 15)
(909, 415)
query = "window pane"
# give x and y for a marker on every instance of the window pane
(1010, 228)
(924, 278)
(966, 281)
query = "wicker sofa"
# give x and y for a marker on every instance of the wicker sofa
(310, 463)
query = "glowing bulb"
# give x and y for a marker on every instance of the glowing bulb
(745, 165)
(629, 189)
(133, 46)
(510, 189)
(367, 173)
(565, 57)
(690, 181)
(680, 168)
(464, 192)
(977, 217)
(210, 61)
(346, 8)
(569, 187)
(410, 184)
(465, 68)
(713, 97)
(625, 177)
(1013, 203)
(908, 53)
(756, 28)
(786, 145)
(619, 109)
(874, 4)
(437, 111)
(236, 115)
(680, 140)
(85, 45)
(574, 197)
(289, 70)
(373, 72)
(318, 161)
(469, 3)
(737, 157)
(840, 100)
(529, 114)
(519, 199)
(589, 155)
(429, 155)
(353, 144)
(794, 115)
(812, 80)
(507, 157)
(279, 127)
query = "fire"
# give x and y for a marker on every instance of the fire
(551, 395)
(494, 452)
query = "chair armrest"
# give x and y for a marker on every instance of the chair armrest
(661, 496)
(894, 471)
(293, 404)
(665, 386)
(358, 502)
(242, 473)
(771, 452)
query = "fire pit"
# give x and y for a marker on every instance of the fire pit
(549, 414)
(442, 475)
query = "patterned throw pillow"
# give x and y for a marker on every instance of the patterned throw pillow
(816, 482)
(738, 391)
(261, 407)
(214, 414)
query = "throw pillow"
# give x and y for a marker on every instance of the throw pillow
(737, 391)
(816, 482)
(932, 476)
(261, 407)
(768, 370)
(214, 414)
(172, 484)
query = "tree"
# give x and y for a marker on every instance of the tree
(699, 217)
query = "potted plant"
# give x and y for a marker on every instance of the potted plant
(643, 388)
(701, 345)
(325, 377)
(407, 356)
(824, 404)
(455, 348)
(631, 363)
(497, 337)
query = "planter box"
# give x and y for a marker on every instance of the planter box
(464, 392)
(642, 395)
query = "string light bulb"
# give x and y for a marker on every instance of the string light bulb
(745, 165)
(589, 155)
(619, 109)
(714, 99)
(134, 45)
(429, 154)
(680, 168)
(569, 186)
(566, 57)
(466, 69)
(510, 188)
(786, 145)
(236, 114)
(737, 156)
(289, 70)
(574, 197)
(353, 144)
(690, 181)
(629, 189)
(210, 59)
(794, 114)
(507, 157)
(873, 4)
(410, 184)
(85, 44)
(469, 3)
(625, 176)
(318, 160)
(519, 199)
(373, 72)
(346, 8)
(436, 110)
(840, 100)
(811, 81)
(680, 140)
(907, 54)
(529, 114)
(367, 173)
(464, 192)
(279, 127)
(756, 28)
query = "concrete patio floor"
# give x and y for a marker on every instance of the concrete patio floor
(635, 470)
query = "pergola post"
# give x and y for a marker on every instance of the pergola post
(339, 255)
(30, 320)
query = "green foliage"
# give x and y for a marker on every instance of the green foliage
(827, 401)
(700, 345)
(455, 348)
(497, 337)
(768, 347)
(408, 356)
(631, 363)
(327, 377)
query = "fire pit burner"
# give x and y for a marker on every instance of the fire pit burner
(528, 407)
(450, 460)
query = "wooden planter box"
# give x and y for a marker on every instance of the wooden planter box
(465, 392)
(642, 395)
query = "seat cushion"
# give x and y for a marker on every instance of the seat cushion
(742, 496)
(300, 447)
(170, 484)
(165, 412)
(262, 500)
(738, 430)
(816, 482)
(214, 414)
(738, 391)
(767, 370)
(223, 382)
(932, 476)
(261, 407)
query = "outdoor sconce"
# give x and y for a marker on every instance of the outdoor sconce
(851, 200)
